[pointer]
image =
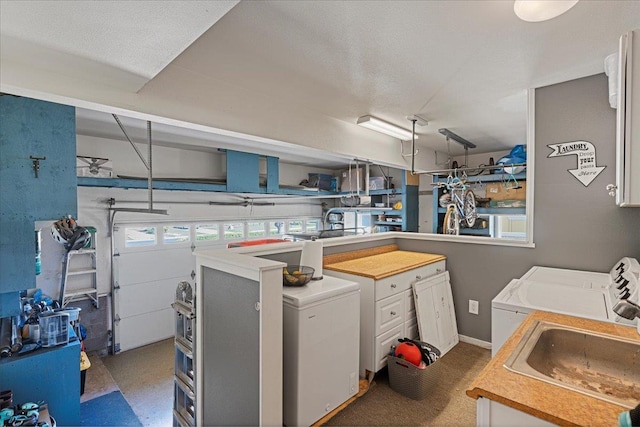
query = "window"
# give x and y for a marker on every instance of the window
(511, 227)
(276, 228)
(312, 225)
(176, 233)
(256, 229)
(503, 194)
(233, 230)
(295, 226)
(140, 236)
(207, 232)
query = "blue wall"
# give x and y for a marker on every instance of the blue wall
(30, 127)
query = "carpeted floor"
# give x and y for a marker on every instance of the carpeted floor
(108, 410)
(145, 377)
(447, 405)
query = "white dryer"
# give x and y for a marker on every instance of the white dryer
(321, 342)
(587, 294)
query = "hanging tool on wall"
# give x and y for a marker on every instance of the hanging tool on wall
(36, 163)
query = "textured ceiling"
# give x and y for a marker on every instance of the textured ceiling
(462, 65)
(130, 40)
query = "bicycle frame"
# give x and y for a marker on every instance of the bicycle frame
(461, 209)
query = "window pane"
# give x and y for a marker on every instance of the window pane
(276, 228)
(295, 226)
(256, 229)
(176, 233)
(513, 227)
(207, 232)
(140, 236)
(234, 230)
(313, 225)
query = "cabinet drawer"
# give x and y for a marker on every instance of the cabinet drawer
(428, 270)
(401, 282)
(384, 344)
(393, 285)
(389, 313)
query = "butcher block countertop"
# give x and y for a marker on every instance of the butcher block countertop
(376, 265)
(538, 398)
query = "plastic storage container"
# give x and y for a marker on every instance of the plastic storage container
(320, 180)
(410, 381)
(54, 329)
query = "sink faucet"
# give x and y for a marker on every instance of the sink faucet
(627, 309)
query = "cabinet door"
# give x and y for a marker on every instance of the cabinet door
(447, 325)
(40, 129)
(426, 312)
(435, 312)
(384, 345)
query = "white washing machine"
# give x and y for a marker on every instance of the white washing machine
(321, 322)
(587, 294)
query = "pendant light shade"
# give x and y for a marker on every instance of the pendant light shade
(541, 10)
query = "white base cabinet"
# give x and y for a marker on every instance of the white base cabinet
(494, 414)
(387, 312)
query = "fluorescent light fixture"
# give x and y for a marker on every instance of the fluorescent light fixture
(541, 10)
(381, 126)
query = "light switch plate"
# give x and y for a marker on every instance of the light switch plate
(473, 306)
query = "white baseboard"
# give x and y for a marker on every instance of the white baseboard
(475, 341)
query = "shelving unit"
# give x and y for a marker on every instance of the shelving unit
(184, 398)
(438, 211)
(243, 177)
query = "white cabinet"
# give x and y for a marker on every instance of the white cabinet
(435, 312)
(387, 312)
(628, 121)
(493, 414)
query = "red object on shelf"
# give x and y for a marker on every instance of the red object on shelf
(254, 242)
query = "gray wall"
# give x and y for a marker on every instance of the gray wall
(575, 227)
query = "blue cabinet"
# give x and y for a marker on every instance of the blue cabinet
(31, 128)
(49, 374)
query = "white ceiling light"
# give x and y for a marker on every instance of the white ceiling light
(541, 10)
(378, 125)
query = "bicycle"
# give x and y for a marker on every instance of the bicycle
(461, 205)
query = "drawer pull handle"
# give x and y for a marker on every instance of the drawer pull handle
(439, 270)
(418, 277)
(393, 313)
(393, 286)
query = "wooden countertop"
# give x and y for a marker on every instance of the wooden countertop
(382, 265)
(538, 398)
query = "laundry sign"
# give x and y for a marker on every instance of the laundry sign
(585, 153)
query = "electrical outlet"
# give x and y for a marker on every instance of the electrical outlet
(473, 306)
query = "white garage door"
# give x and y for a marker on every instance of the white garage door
(149, 262)
(150, 259)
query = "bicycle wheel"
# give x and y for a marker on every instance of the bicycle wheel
(470, 213)
(451, 221)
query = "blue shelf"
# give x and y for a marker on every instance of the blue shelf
(486, 178)
(475, 231)
(84, 181)
(388, 223)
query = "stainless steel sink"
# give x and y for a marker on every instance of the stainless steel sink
(599, 365)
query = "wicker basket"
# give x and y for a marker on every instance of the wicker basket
(406, 379)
